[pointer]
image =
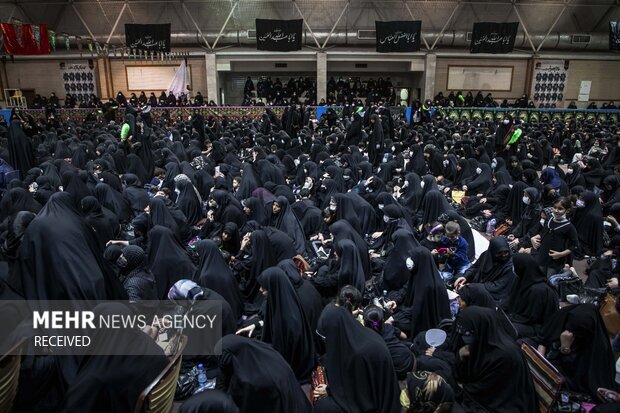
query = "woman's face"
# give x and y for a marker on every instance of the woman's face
(147, 209)
(226, 236)
(276, 208)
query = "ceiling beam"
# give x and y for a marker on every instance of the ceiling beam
(557, 19)
(445, 26)
(306, 24)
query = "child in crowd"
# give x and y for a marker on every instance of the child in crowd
(454, 248)
(435, 233)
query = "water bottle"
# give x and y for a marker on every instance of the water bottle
(491, 227)
(202, 380)
(454, 308)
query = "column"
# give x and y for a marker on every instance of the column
(430, 64)
(321, 76)
(212, 86)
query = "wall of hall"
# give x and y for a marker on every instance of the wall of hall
(605, 77)
(519, 75)
(44, 76)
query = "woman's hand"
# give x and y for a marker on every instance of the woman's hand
(376, 235)
(461, 281)
(320, 391)
(536, 241)
(464, 352)
(555, 254)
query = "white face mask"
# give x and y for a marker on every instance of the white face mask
(422, 184)
(478, 171)
(580, 203)
(406, 184)
(505, 121)
(386, 219)
(381, 206)
(526, 200)
(542, 221)
(446, 163)
(409, 263)
(332, 207)
(177, 191)
(494, 164)
(569, 171)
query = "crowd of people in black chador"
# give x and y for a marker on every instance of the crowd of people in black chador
(71, 101)
(352, 91)
(342, 250)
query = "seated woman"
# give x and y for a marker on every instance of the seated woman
(574, 339)
(427, 392)
(529, 225)
(113, 383)
(353, 348)
(532, 301)
(402, 357)
(493, 270)
(346, 269)
(258, 379)
(491, 366)
(423, 300)
(286, 327)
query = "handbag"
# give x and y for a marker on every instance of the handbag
(610, 315)
(318, 378)
(570, 287)
(478, 223)
(502, 230)
(547, 380)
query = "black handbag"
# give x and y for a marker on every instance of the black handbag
(570, 287)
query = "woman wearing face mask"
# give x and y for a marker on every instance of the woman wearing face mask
(574, 177)
(558, 239)
(588, 221)
(480, 182)
(493, 270)
(490, 365)
(529, 224)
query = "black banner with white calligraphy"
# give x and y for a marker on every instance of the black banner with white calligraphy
(278, 35)
(398, 36)
(614, 36)
(150, 37)
(493, 37)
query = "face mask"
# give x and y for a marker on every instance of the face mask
(478, 171)
(177, 191)
(446, 163)
(526, 200)
(494, 164)
(346, 177)
(386, 219)
(505, 121)
(381, 206)
(580, 203)
(409, 263)
(569, 171)
(406, 184)
(422, 184)
(559, 218)
(332, 207)
(542, 221)
(368, 189)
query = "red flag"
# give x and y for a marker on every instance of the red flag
(25, 39)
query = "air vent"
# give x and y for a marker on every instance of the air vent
(251, 34)
(580, 39)
(281, 65)
(361, 65)
(366, 34)
(468, 36)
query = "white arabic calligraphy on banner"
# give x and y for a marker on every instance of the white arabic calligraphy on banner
(277, 35)
(494, 38)
(396, 37)
(148, 42)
